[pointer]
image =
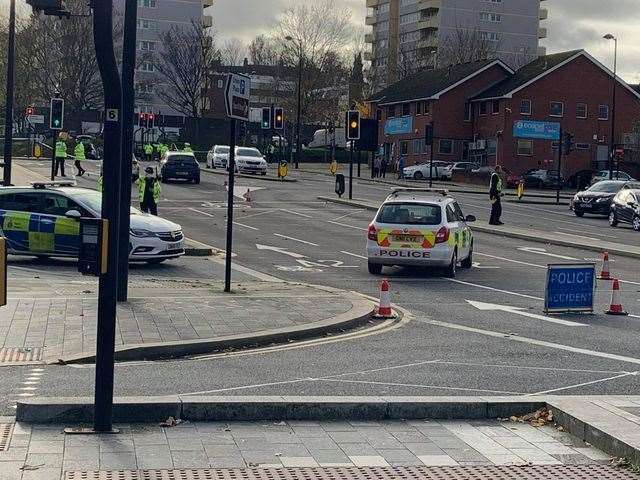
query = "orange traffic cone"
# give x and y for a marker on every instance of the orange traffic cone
(616, 307)
(604, 273)
(247, 196)
(384, 310)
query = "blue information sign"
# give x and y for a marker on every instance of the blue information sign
(538, 130)
(570, 287)
(398, 126)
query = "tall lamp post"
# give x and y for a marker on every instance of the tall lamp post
(612, 140)
(289, 38)
(8, 125)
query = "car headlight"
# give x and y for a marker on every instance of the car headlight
(603, 199)
(140, 232)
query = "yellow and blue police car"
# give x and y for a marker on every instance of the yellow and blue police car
(420, 227)
(42, 220)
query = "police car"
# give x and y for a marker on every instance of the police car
(420, 227)
(43, 220)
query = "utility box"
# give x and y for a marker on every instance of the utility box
(94, 246)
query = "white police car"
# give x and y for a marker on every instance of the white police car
(420, 227)
(42, 220)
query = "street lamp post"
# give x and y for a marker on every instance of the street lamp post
(8, 125)
(612, 140)
(288, 38)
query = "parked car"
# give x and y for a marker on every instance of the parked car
(580, 179)
(625, 208)
(541, 178)
(421, 171)
(250, 160)
(218, 156)
(448, 171)
(617, 175)
(179, 165)
(597, 198)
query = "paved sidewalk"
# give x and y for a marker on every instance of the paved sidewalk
(167, 317)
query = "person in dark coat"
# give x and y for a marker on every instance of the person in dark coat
(495, 194)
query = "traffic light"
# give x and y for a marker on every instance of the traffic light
(151, 118)
(278, 118)
(567, 144)
(266, 118)
(353, 125)
(142, 121)
(30, 111)
(56, 114)
(428, 135)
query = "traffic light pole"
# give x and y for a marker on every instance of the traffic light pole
(232, 177)
(111, 171)
(54, 140)
(8, 120)
(560, 150)
(351, 171)
(128, 100)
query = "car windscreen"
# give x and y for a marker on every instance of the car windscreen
(93, 201)
(410, 214)
(606, 187)
(221, 150)
(248, 152)
(182, 159)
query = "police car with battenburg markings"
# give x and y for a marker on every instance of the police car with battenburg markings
(43, 220)
(420, 227)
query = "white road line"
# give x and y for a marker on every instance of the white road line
(201, 212)
(245, 387)
(294, 213)
(353, 254)
(255, 214)
(533, 341)
(247, 271)
(381, 369)
(346, 225)
(348, 215)
(524, 367)
(634, 316)
(584, 384)
(245, 226)
(296, 240)
(412, 385)
(494, 289)
(578, 236)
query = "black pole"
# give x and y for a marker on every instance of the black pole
(232, 169)
(8, 116)
(351, 171)
(111, 165)
(613, 110)
(128, 105)
(359, 159)
(299, 111)
(433, 139)
(54, 140)
(560, 148)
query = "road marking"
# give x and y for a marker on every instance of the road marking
(348, 215)
(533, 341)
(577, 236)
(519, 311)
(295, 213)
(279, 250)
(484, 267)
(354, 255)
(525, 367)
(584, 384)
(201, 212)
(346, 225)
(494, 289)
(413, 385)
(543, 251)
(255, 214)
(634, 316)
(296, 240)
(245, 226)
(247, 271)
(382, 369)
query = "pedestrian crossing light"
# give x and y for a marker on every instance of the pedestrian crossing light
(278, 118)
(151, 120)
(266, 118)
(56, 114)
(353, 125)
(30, 111)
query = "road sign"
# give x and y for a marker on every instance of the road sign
(33, 119)
(237, 96)
(570, 287)
(536, 130)
(111, 115)
(398, 126)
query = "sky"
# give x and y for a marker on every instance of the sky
(572, 24)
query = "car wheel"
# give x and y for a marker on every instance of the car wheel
(374, 268)
(636, 223)
(578, 213)
(468, 262)
(418, 176)
(613, 219)
(450, 272)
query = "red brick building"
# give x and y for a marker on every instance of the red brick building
(474, 116)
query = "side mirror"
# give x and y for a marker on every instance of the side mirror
(470, 218)
(74, 214)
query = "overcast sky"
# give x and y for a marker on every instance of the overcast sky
(572, 24)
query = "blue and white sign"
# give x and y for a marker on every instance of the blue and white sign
(537, 130)
(398, 126)
(570, 288)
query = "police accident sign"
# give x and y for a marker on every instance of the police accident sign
(570, 288)
(237, 96)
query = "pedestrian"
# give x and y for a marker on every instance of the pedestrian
(61, 156)
(495, 194)
(377, 164)
(383, 167)
(149, 191)
(401, 168)
(78, 152)
(148, 152)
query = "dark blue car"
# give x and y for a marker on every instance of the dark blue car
(181, 166)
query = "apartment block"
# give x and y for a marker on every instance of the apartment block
(407, 35)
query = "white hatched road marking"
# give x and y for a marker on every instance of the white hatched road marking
(295, 213)
(485, 287)
(584, 384)
(354, 255)
(296, 240)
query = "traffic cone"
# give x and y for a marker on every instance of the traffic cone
(247, 196)
(616, 307)
(604, 273)
(384, 309)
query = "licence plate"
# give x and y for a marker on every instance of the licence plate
(407, 238)
(585, 205)
(176, 246)
(182, 173)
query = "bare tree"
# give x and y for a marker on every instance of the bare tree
(262, 51)
(521, 57)
(465, 45)
(183, 67)
(232, 52)
(412, 60)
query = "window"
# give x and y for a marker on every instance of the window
(406, 109)
(467, 112)
(142, 87)
(490, 17)
(410, 213)
(404, 147)
(427, 107)
(458, 211)
(445, 146)
(391, 111)
(55, 204)
(483, 108)
(451, 215)
(147, 3)
(145, 24)
(146, 67)
(525, 107)
(409, 18)
(581, 110)
(419, 146)
(603, 112)
(418, 108)
(146, 46)
(495, 107)
(556, 109)
(21, 202)
(525, 147)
